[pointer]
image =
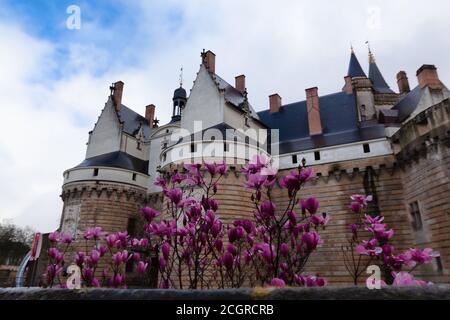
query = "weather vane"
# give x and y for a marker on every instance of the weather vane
(181, 77)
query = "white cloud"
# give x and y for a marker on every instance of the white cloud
(282, 46)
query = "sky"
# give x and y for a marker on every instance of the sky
(55, 73)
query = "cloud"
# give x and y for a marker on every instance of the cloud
(55, 82)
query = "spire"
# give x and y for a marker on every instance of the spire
(354, 67)
(181, 77)
(379, 84)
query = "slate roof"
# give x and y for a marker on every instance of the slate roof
(339, 120)
(232, 95)
(379, 84)
(408, 103)
(132, 122)
(354, 67)
(116, 159)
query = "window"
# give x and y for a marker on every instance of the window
(226, 147)
(138, 145)
(193, 147)
(134, 177)
(164, 145)
(439, 267)
(167, 130)
(416, 216)
(95, 172)
(67, 175)
(164, 157)
(294, 158)
(366, 148)
(317, 155)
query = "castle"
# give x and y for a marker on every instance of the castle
(363, 139)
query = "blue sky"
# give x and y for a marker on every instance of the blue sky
(55, 81)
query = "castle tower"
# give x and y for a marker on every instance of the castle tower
(109, 187)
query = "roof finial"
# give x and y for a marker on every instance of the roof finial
(351, 48)
(181, 77)
(371, 56)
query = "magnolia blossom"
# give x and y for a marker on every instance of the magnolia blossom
(311, 205)
(142, 266)
(277, 282)
(93, 233)
(149, 214)
(405, 279)
(417, 256)
(369, 248)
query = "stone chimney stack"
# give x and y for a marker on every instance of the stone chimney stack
(274, 102)
(240, 83)
(403, 83)
(150, 114)
(313, 108)
(209, 60)
(428, 77)
(348, 87)
(117, 91)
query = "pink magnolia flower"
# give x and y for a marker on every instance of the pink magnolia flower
(255, 181)
(142, 266)
(175, 195)
(369, 248)
(284, 249)
(149, 214)
(311, 240)
(277, 282)
(267, 210)
(165, 249)
(102, 250)
(310, 204)
(405, 279)
(54, 236)
(112, 240)
(160, 182)
(417, 256)
(228, 260)
(94, 258)
(93, 233)
(66, 238)
(361, 199)
(80, 258)
(318, 220)
(136, 257)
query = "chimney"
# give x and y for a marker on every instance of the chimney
(240, 83)
(348, 87)
(117, 91)
(275, 103)
(403, 83)
(428, 77)
(209, 59)
(312, 106)
(150, 114)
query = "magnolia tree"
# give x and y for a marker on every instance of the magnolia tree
(377, 248)
(195, 249)
(118, 245)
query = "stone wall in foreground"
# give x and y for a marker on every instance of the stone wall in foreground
(441, 292)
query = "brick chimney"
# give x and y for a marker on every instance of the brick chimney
(117, 94)
(312, 106)
(150, 114)
(403, 83)
(428, 77)
(240, 83)
(348, 87)
(209, 60)
(274, 102)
